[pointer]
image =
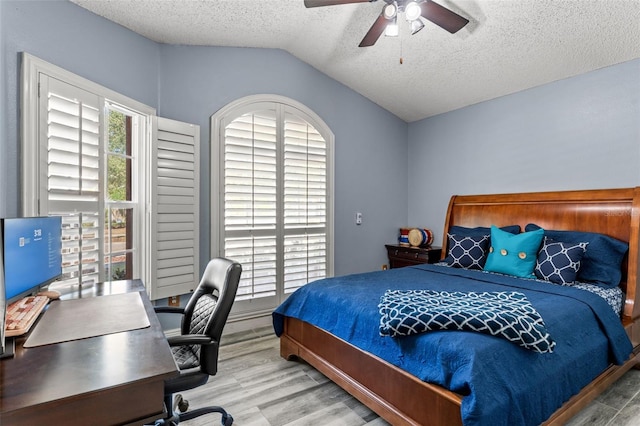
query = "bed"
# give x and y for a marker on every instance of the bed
(402, 398)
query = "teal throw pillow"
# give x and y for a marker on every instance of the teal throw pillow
(513, 254)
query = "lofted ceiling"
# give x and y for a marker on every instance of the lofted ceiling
(508, 45)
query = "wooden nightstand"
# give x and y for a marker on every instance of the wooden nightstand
(400, 256)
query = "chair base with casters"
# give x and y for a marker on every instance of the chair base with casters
(176, 405)
(182, 405)
(195, 350)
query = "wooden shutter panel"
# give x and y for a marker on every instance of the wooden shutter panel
(250, 201)
(70, 175)
(275, 200)
(175, 188)
(305, 203)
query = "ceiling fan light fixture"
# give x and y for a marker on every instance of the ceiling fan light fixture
(391, 29)
(390, 11)
(416, 26)
(412, 11)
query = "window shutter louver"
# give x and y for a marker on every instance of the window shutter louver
(275, 202)
(176, 218)
(73, 175)
(305, 203)
(250, 201)
(130, 206)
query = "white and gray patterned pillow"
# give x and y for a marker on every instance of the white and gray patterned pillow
(467, 252)
(559, 262)
(505, 314)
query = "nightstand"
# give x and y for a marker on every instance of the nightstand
(400, 256)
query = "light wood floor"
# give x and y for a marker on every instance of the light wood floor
(259, 388)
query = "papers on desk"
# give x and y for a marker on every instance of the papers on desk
(67, 320)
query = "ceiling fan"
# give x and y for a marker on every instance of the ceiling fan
(413, 10)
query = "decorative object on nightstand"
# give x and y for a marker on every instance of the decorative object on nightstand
(420, 237)
(403, 239)
(400, 255)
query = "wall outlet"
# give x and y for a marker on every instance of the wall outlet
(174, 301)
(358, 218)
(384, 267)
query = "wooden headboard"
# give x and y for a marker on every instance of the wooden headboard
(613, 212)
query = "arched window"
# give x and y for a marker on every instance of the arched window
(272, 192)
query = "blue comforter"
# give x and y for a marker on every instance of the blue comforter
(501, 382)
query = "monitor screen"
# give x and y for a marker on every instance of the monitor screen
(32, 254)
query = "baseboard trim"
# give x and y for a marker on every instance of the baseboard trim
(172, 332)
(236, 325)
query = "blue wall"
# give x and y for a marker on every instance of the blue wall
(192, 83)
(70, 37)
(581, 132)
(578, 133)
(370, 143)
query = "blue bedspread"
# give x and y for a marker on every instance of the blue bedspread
(501, 383)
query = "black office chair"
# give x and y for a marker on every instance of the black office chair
(196, 349)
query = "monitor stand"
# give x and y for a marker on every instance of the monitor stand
(9, 348)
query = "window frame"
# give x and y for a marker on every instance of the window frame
(32, 67)
(135, 132)
(218, 119)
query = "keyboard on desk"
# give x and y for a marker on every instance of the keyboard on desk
(23, 313)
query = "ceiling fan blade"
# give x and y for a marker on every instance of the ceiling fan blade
(319, 3)
(374, 32)
(442, 16)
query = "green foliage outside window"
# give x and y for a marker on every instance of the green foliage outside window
(116, 165)
(119, 274)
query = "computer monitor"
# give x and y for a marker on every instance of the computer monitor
(32, 254)
(31, 257)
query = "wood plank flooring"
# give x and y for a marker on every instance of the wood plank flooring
(259, 388)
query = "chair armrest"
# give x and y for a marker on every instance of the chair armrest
(189, 339)
(168, 310)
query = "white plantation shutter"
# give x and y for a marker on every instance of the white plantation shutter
(71, 181)
(67, 146)
(275, 199)
(175, 211)
(305, 203)
(250, 201)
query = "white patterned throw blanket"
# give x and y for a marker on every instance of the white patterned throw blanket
(507, 314)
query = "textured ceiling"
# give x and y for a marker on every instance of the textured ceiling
(508, 45)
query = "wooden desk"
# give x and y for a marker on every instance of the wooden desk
(106, 380)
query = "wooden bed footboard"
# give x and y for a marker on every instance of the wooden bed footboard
(396, 396)
(401, 398)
